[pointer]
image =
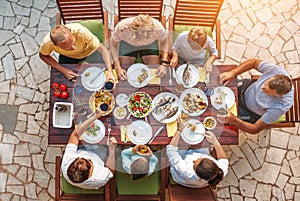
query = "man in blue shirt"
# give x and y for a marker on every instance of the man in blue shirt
(263, 101)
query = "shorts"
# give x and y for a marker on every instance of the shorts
(95, 57)
(133, 51)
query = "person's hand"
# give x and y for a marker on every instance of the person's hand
(122, 75)
(181, 122)
(225, 119)
(99, 112)
(211, 138)
(148, 153)
(161, 71)
(208, 66)
(68, 73)
(174, 61)
(110, 76)
(226, 77)
(112, 142)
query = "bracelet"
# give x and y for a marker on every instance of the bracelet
(179, 130)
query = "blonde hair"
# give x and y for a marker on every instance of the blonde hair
(197, 37)
(141, 27)
(59, 34)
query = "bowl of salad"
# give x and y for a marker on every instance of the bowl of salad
(139, 104)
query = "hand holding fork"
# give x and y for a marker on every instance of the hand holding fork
(108, 134)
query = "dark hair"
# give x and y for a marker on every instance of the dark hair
(139, 168)
(281, 83)
(79, 170)
(208, 170)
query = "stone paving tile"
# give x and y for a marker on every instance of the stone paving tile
(262, 167)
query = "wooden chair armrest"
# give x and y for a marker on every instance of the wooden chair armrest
(57, 178)
(218, 38)
(106, 29)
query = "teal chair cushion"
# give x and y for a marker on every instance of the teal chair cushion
(125, 185)
(96, 27)
(70, 189)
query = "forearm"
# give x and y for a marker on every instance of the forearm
(106, 57)
(114, 48)
(248, 127)
(110, 163)
(51, 62)
(175, 139)
(164, 50)
(219, 150)
(245, 66)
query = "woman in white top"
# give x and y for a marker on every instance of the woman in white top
(190, 47)
(193, 168)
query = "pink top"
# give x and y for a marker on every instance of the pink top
(122, 32)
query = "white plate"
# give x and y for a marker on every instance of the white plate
(229, 97)
(139, 132)
(193, 91)
(120, 112)
(160, 117)
(98, 83)
(191, 137)
(122, 99)
(100, 133)
(194, 74)
(134, 71)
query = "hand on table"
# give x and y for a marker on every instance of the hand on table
(211, 138)
(225, 118)
(68, 73)
(226, 77)
(110, 76)
(181, 122)
(161, 71)
(148, 153)
(208, 66)
(122, 75)
(174, 61)
(112, 142)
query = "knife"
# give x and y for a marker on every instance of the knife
(99, 73)
(156, 134)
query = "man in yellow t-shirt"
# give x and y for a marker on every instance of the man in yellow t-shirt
(74, 43)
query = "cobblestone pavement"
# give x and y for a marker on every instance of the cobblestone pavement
(265, 166)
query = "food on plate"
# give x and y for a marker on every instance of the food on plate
(92, 130)
(134, 133)
(210, 123)
(102, 97)
(142, 76)
(187, 75)
(120, 112)
(139, 104)
(221, 95)
(193, 102)
(143, 149)
(87, 74)
(192, 127)
(166, 106)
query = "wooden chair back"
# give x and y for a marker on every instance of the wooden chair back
(132, 8)
(77, 10)
(61, 195)
(159, 197)
(202, 13)
(293, 115)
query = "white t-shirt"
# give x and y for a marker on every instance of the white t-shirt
(185, 51)
(100, 176)
(182, 169)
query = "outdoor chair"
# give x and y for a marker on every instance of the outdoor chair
(149, 188)
(178, 192)
(132, 8)
(66, 191)
(293, 115)
(88, 13)
(191, 13)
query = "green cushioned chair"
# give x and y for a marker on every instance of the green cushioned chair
(148, 188)
(96, 27)
(66, 191)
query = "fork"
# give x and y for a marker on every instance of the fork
(108, 134)
(170, 73)
(126, 131)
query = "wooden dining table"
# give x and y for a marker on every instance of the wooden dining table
(227, 134)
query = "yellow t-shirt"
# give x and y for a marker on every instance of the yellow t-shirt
(86, 43)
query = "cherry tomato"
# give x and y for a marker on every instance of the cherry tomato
(64, 94)
(57, 93)
(55, 86)
(63, 87)
(138, 98)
